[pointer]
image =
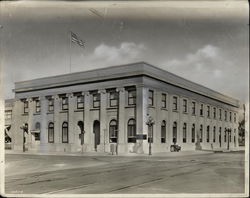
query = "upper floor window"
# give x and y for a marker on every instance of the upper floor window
(51, 104)
(164, 100)
(96, 100)
(80, 102)
(225, 115)
(113, 99)
(8, 114)
(185, 105)
(38, 106)
(220, 114)
(150, 98)
(175, 105)
(131, 97)
(230, 116)
(235, 117)
(26, 107)
(193, 108)
(214, 113)
(208, 111)
(201, 110)
(65, 103)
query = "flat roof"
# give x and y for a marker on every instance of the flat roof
(121, 71)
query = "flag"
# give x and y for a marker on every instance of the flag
(76, 40)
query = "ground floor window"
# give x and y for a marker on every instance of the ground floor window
(193, 133)
(131, 131)
(51, 132)
(174, 132)
(163, 131)
(113, 131)
(201, 133)
(184, 133)
(208, 133)
(65, 132)
(214, 132)
(225, 135)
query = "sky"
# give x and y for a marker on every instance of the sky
(203, 41)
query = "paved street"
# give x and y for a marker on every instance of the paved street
(176, 173)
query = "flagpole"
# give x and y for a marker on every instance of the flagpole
(70, 51)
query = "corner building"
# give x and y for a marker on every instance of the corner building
(92, 110)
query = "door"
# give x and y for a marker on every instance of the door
(96, 131)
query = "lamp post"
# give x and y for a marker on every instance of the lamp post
(24, 127)
(228, 130)
(150, 122)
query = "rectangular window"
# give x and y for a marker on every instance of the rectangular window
(151, 98)
(26, 107)
(80, 102)
(8, 114)
(220, 114)
(38, 106)
(51, 105)
(185, 105)
(230, 116)
(208, 111)
(113, 99)
(193, 108)
(175, 103)
(201, 110)
(184, 138)
(208, 131)
(65, 103)
(96, 100)
(164, 100)
(131, 97)
(225, 115)
(214, 112)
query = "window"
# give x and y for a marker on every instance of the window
(201, 110)
(51, 105)
(113, 131)
(113, 99)
(96, 100)
(220, 114)
(225, 135)
(65, 102)
(131, 131)
(230, 136)
(234, 117)
(150, 134)
(214, 134)
(208, 111)
(174, 103)
(201, 133)
(164, 100)
(193, 108)
(8, 114)
(37, 134)
(230, 116)
(225, 115)
(185, 105)
(193, 133)
(174, 132)
(65, 132)
(214, 112)
(26, 107)
(151, 98)
(80, 102)
(220, 136)
(163, 131)
(208, 129)
(131, 97)
(51, 132)
(184, 130)
(38, 106)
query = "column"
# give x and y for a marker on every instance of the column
(57, 124)
(88, 135)
(103, 120)
(71, 122)
(158, 121)
(43, 126)
(29, 137)
(121, 121)
(141, 118)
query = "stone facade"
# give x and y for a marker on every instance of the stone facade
(108, 109)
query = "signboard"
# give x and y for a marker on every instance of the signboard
(141, 136)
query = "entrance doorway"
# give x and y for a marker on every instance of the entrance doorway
(96, 131)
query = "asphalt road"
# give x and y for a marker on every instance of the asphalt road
(205, 173)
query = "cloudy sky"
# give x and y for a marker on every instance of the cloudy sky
(203, 41)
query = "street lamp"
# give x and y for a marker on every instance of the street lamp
(24, 127)
(228, 130)
(150, 122)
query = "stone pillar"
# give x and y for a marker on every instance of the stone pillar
(43, 126)
(29, 137)
(57, 124)
(103, 120)
(88, 136)
(158, 120)
(141, 118)
(121, 121)
(71, 122)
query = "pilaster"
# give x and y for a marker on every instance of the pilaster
(43, 127)
(88, 135)
(103, 121)
(57, 127)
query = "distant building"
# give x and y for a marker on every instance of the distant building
(109, 108)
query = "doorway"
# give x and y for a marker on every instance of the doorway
(96, 131)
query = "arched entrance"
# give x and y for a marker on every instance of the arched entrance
(81, 135)
(96, 131)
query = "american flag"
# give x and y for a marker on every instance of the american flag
(77, 40)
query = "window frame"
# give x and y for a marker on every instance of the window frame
(208, 134)
(185, 105)
(131, 134)
(164, 100)
(113, 131)
(208, 111)
(175, 103)
(131, 96)
(163, 132)
(214, 134)
(201, 109)
(193, 133)
(51, 104)
(80, 102)
(184, 133)
(193, 108)
(51, 130)
(201, 133)
(214, 112)
(65, 103)
(65, 129)
(26, 107)
(115, 98)
(150, 97)
(38, 106)
(96, 99)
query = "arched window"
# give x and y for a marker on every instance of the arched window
(81, 135)
(174, 132)
(65, 132)
(184, 133)
(131, 131)
(113, 132)
(220, 136)
(163, 131)
(51, 132)
(201, 133)
(225, 135)
(193, 133)
(214, 134)
(208, 133)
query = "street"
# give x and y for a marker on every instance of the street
(200, 173)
